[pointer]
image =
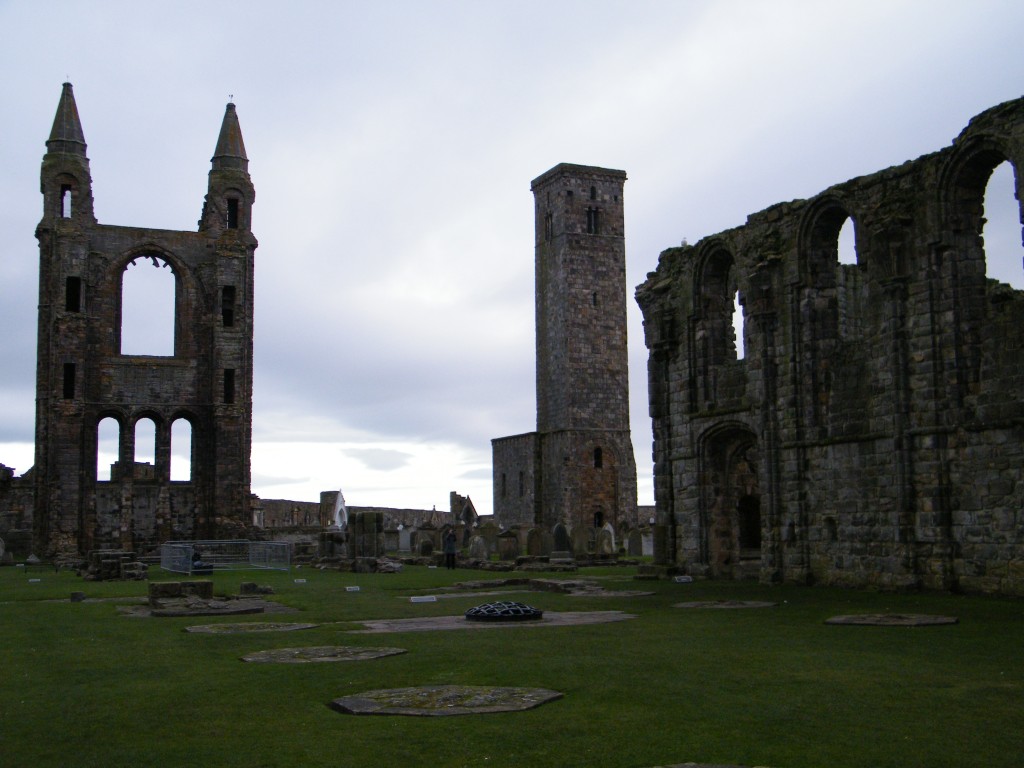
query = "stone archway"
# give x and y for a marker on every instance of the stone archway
(732, 530)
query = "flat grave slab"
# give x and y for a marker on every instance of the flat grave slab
(323, 653)
(893, 620)
(432, 623)
(726, 604)
(444, 700)
(249, 626)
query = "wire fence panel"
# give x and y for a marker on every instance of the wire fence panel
(201, 557)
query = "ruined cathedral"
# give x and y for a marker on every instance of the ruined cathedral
(84, 377)
(872, 434)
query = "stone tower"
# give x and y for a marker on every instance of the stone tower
(83, 378)
(578, 469)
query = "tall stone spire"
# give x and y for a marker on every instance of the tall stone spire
(230, 151)
(66, 136)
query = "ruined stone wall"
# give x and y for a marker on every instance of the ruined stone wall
(16, 500)
(83, 377)
(872, 432)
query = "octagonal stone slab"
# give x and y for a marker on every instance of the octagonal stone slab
(249, 626)
(893, 620)
(444, 700)
(323, 653)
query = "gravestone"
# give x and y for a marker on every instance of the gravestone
(535, 542)
(508, 546)
(581, 539)
(635, 543)
(405, 539)
(478, 548)
(647, 537)
(490, 533)
(562, 541)
(605, 541)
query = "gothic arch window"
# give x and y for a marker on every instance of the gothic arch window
(1001, 227)
(145, 441)
(846, 243)
(148, 303)
(598, 458)
(108, 447)
(181, 450)
(65, 201)
(717, 300)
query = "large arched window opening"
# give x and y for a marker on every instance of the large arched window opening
(181, 450)
(738, 319)
(148, 289)
(145, 442)
(108, 446)
(1002, 228)
(846, 243)
(718, 300)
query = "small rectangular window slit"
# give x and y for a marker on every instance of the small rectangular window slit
(69, 381)
(73, 294)
(229, 386)
(232, 213)
(227, 305)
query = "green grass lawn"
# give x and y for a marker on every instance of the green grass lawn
(82, 685)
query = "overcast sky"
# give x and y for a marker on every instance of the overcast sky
(392, 145)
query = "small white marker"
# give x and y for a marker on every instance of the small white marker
(351, 589)
(423, 599)
(300, 581)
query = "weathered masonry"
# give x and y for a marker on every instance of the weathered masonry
(871, 433)
(577, 471)
(201, 393)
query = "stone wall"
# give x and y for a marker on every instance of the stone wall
(872, 432)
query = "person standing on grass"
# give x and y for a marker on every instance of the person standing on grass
(450, 543)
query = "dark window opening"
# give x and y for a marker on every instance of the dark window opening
(503, 489)
(593, 193)
(749, 509)
(598, 458)
(598, 518)
(229, 385)
(522, 484)
(65, 201)
(73, 294)
(593, 298)
(593, 221)
(69, 381)
(549, 227)
(568, 194)
(227, 305)
(232, 213)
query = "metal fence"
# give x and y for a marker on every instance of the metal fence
(201, 557)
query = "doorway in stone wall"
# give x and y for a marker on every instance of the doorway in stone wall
(732, 530)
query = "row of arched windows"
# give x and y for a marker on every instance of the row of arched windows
(834, 233)
(109, 441)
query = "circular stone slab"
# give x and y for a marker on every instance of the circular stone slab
(442, 700)
(893, 620)
(726, 604)
(249, 626)
(320, 653)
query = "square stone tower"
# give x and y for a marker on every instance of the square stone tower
(83, 377)
(577, 469)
